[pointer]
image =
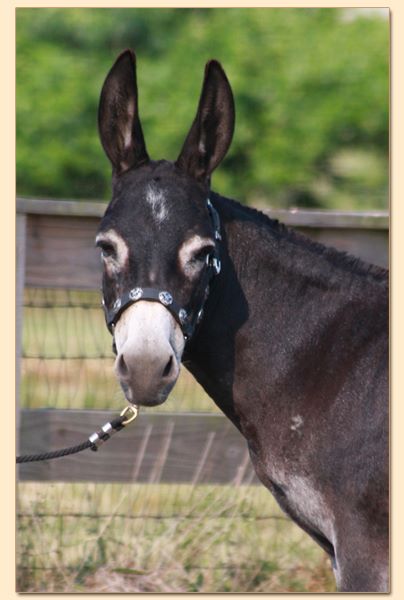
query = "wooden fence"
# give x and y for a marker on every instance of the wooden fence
(58, 238)
(55, 249)
(156, 448)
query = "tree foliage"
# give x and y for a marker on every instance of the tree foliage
(310, 85)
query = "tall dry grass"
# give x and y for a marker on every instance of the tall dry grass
(161, 538)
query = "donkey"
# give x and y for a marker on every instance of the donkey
(288, 337)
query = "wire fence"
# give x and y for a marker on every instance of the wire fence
(67, 359)
(162, 538)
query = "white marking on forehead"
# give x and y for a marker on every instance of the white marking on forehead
(297, 422)
(155, 197)
(188, 250)
(120, 246)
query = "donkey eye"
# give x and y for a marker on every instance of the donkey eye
(107, 250)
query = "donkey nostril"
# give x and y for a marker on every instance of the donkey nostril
(168, 367)
(122, 367)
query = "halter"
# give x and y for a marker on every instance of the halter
(164, 297)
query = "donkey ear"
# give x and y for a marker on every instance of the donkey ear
(118, 116)
(212, 130)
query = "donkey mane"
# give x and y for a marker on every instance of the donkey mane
(339, 259)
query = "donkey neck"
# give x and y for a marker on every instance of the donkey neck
(272, 297)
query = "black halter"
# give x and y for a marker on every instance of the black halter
(164, 297)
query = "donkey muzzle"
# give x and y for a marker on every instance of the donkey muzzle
(149, 345)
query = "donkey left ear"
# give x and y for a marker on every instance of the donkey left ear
(118, 116)
(212, 130)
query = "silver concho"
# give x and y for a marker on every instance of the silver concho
(117, 304)
(136, 293)
(182, 313)
(165, 298)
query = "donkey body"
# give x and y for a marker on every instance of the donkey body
(290, 338)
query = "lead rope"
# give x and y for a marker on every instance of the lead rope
(128, 415)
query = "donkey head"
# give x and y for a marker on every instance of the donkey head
(159, 235)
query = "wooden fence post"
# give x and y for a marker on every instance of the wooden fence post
(21, 230)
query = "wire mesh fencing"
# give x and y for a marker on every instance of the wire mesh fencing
(67, 359)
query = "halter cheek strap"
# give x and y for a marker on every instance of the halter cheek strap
(164, 297)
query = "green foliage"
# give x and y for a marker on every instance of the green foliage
(311, 90)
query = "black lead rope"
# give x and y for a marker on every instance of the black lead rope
(94, 441)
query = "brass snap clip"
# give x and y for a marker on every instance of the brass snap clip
(132, 412)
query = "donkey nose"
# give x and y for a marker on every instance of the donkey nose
(169, 367)
(125, 372)
(146, 378)
(121, 367)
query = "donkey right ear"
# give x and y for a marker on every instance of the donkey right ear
(118, 117)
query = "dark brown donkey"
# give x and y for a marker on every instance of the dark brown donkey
(288, 337)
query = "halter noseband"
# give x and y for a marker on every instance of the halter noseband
(164, 297)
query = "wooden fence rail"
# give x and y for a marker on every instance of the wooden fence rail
(59, 238)
(156, 448)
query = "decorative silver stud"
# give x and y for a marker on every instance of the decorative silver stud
(136, 293)
(165, 298)
(183, 315)
(117, 304)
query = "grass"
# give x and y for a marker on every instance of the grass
(161, 538)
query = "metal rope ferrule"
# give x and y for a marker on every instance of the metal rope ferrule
(109, 429)
(95, 440)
